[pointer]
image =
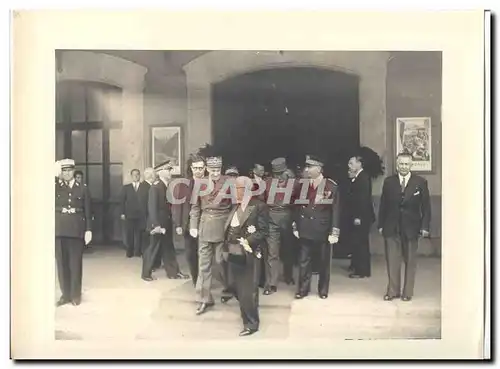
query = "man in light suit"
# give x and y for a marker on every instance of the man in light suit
(404, 216)
(208, 216)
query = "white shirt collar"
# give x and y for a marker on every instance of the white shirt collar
(357, 174)
(406, 177)
(317, 181)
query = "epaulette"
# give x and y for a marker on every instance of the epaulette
(331, 180)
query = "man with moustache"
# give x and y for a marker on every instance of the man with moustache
(359, 216)
(180, 213)
(316, 227)
(280, 234)
(404, 216)
(208, 216)
(245, 230)
(159, 225)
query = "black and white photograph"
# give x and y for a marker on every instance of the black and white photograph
(271, 114)
(221, 194)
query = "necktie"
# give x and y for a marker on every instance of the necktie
(403, 184)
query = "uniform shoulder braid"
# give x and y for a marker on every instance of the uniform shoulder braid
(332, 182)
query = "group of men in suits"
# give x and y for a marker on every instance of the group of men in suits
(226, 238)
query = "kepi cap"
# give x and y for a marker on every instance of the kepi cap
(67, 163)
(214, 162)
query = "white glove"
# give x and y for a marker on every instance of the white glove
(178, 230)
(333, 239)
(193, 232)
(88, 237)
(245, 245)
(357, 221)
(296, 234)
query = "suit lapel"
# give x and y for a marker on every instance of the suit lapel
(230, 218)
(246, 214)
(410, 186)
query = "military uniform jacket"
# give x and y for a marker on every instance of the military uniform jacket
(316, 221)
(208, 216)
(159, 211)
(404, 213)
(73, 209)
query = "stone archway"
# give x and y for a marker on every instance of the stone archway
(216, 66)
(108, 69)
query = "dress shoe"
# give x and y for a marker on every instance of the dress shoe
(76, 301)
(390, 298)
(406, 298)
(247, 332)
(179, 276)
(323, 296)
(62, 301)
(225, 299)
(203, 307)
(299, 296)
(270, 290)
(356, 276)
(148, 279)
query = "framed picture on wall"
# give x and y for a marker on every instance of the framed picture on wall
(166, 146)
(413, 135)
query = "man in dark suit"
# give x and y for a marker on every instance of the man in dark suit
(180, 214)
(134, 213)
(404, 215)
(245, 230)
(359, 216)
(159, 224)
(317, 227)
(149, 179)
(73, 230)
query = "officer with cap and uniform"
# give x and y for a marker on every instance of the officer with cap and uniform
(317, 227)
(207, 220)
(73, 230)
(160, 227)
(280, 230)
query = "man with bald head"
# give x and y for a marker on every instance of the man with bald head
(244, 232)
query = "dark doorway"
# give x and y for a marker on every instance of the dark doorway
(287, 112)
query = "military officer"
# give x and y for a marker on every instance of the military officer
(159, 224)
(207, 219)
(317, 227)
(280, 234)
(73, 230)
